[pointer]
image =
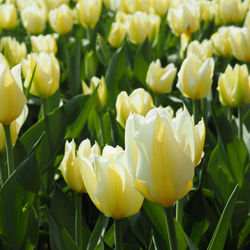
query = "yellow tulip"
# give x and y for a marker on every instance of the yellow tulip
(117, 34)
(162, 152)
(3, 60)
(240, 42)
(139, 101)
(203, 50)
(8, 15)
(61, 19)
(160, 6)
(43, 43)
(15, 127)
(13, 50)
(52, 4)
(184, 19)
(207, 10)
(247, 20)
(101, 92)
(108, 183)
(159, 79)
(47, 75)
(195, 77)
(153, 28)
(142, 5)
(234, 86)
(128, 6)
(12, 99)
(89, 12)
(70, 170)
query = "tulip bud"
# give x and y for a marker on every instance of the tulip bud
(158, 149)
(154, 26)
(139, 102)
(3, 60)
(47, 74)
(240, 42)
(34, 18)
(90, 64)
(69, 168)
(89, 12)
(142, 5)
(121, 17)
(159, 79)
(195, 77)
(207, 10)
(221, 41)
(184, 19)
(61, 19)
(15, 127)
(234, 86)
(52, 4)
(203, 50)
(101, 92)
(247, 20)
(160, 6)
(12, 99)
(117, 34)
(13, 50)
(8, 16)
(108, 183)
(128, 6)
(43, 43)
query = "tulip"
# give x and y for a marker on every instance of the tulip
(195, 77)
(139, 102)
(70, 170)
(89, 12)
(117, 34)
(15, 127)
(162, 152)
(234, 86)
(247, 20)
(53, 4)
(154, 26)
(3, 60)
(184, 19)
(203, 50)
(159, 79)
(43, 43)
(47, 74)
(8, 15)
(13, 50)
(121, 17)
(128, 6)
(34, 18)
(108, 183)
(240, 42)
(12, 99)
(61, 19)
(160, 6)
(101, 92)
(142, 5)
(207, 10)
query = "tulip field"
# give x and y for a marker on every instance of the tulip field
(124, 124)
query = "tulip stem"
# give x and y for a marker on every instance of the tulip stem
(9, 150)
(171, 229)
(240, 128)
(179, 210)
(78, 220)
(118, 234)
(195, 110)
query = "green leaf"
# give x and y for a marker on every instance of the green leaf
(219, 237)
(244, 238)
(102, 50)
(16, 197)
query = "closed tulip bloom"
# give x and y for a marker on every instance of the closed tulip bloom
(43, 43)
(109, 185)
(69, 168)
(247, 20)
(234, 86)
(184, 19)
(89, 12)
(8, 15)
(52, 4)
(162, 152)
(195, 77)
(13, 50)
(61, 19)
(159, 79)
(117, 34)
(203, 50)
(207, 10)
(47, 75)
(15, 127)
(12, 99)
(139, 101)
(128, 6)
(3, 60)
(160, 6)
(240, 42)
(154, 27)
(142, 5)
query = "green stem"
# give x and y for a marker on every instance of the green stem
(9, 150)
(240, 128)
(195, 110)
(78, 220)
(3, 174)
(179, 211)
(171, 229)
(229, 115)
(44, 107)
(118, 234)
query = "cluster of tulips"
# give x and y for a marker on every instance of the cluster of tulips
(161, 146)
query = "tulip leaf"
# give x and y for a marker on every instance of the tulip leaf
(27, 92)
(244, 238)
(102, 50)
(108, 238)
(17, 219)
(95, 236)
(59, 237)
(219, 237)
